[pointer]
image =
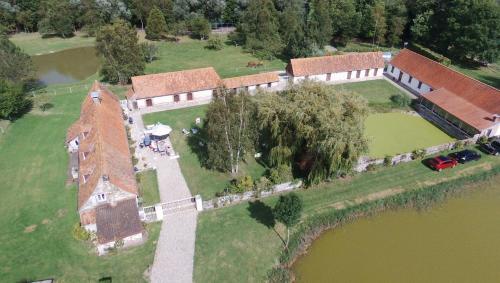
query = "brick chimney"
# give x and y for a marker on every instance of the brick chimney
(496, 118)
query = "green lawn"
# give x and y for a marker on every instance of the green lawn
(34, 44)
(148, 187)
(396, 133)
(199, 179)
(238, 236)
(38, 210)
(488, 75)
(377, 92)
(189, 54)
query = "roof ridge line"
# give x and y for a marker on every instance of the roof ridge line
(460, 73)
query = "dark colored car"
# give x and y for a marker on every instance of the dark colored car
(441, 162)
(465, 156)
(492, 148)
(130, 120)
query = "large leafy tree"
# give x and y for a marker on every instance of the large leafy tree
(467, 29)
(346, 20)
(259, 29)
(319, 23)
(156, 26)
(396, 16)
(292, 31)
(288, 210)
(13, 101)
(199, 27)
(15, 66)
(314, 125)
(230, 129)
(56, 18)
(123, 58)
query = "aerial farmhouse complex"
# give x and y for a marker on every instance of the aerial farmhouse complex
(348, 67)
(107, 188)
(457, 102)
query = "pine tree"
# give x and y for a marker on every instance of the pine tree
(260, 29)
(396, 21)
(319, 25)
(292, 31)
(230, 14)
(346, 21)
(156, 25)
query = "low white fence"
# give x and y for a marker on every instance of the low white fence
(365, 161)
(158, 211)
(236, 198)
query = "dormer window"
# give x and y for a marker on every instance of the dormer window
(85, 154)
(86, 178)
(100, 197)
(85, 134)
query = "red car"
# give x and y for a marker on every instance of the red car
(442, 162)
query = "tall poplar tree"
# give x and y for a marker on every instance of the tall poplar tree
(292, 31)
(319, 23)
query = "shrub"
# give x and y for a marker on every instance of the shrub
(241, 185)
(179, 28)
(482, 140)
(401, 100)
(418, 154)
(149, 51)
(280, 174)
(200, 28)
(278, 275)
(371, 167)
(215, 43)
(459, 145)
(388, 160)
(79, 233)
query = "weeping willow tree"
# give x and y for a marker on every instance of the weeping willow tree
(316, 124)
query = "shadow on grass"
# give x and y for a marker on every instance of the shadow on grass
(261, 212)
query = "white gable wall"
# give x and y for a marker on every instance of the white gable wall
(424, 88)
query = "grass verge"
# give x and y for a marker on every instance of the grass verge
(148, 187)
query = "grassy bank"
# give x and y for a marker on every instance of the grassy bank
(38, 210)
(310, 229)
(244, 233)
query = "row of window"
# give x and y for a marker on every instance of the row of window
(410, 78)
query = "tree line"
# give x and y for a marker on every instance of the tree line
(462, 29)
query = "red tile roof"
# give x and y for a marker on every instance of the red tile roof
(175, 82)
(460, 89)
(106, 143)
(251, 80)
(334, 64)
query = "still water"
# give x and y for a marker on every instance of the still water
(457, 241)
(66, 66)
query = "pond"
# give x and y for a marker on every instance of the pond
(67, 66)
(458, 241)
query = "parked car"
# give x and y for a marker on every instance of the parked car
(465, 156)
(492, 148)
(130, 120)
(441, 162)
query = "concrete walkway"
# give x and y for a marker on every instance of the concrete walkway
(174, 256)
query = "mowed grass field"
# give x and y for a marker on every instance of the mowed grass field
(35, 44)
(38, 209)
(231, 61)
(200, 180)
(396, 133)
(237, 244)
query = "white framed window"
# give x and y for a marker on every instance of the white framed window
(100, 197)
(86, 178)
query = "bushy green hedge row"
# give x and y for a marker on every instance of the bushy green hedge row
(311, 228)
(430, 54)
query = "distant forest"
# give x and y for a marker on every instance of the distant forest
(460, 29)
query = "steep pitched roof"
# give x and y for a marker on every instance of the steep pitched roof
(103, 137)
(117, 221)
(465, 89)
(251, 80)
(334, 64)
(174, 82)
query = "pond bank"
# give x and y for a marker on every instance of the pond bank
(314, 226)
